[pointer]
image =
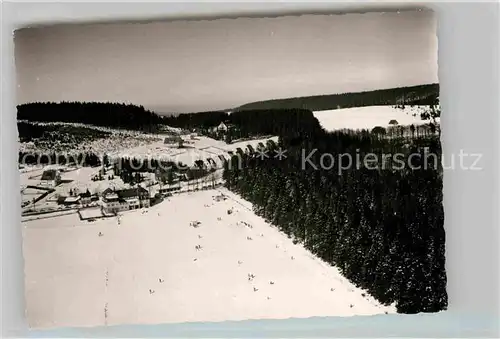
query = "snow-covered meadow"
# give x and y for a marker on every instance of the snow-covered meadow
(368, 117)
(148, 268)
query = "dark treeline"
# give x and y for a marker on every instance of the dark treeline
(252, 123)
(285, 122)
(202, 120)
(127, 116)
(416, 95)
(106, 114)
(383, 228)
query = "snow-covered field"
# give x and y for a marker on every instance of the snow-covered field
(367, 117)
(139, 145)
(146, 268)
(201, 148)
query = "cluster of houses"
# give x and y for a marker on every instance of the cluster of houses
(112, 201)
(81, 199)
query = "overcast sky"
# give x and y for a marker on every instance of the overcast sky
(185, 66)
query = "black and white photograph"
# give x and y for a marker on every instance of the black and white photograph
(231, 169)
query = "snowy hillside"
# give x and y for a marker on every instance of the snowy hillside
(147, 268)
(60, 137)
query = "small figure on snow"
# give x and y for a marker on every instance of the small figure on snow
(249, 238)
(100, 234)
(271, 282)
(240, 262)
(255, 289)
(293, 257)
(161, 280)
(151, 291)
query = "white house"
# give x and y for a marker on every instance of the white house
(222, 127)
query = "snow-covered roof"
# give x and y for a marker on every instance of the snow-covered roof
(72, 199)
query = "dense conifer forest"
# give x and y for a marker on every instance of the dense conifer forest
(106, 114)
(383, 228)
(416, 95)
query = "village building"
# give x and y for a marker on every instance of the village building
(126, 199)
(221, 128)
(174, 140)
(86, 198)
(71, 201)
(50, 178)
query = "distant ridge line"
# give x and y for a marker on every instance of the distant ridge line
(427, 94)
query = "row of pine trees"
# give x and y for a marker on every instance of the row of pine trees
(383, 228)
